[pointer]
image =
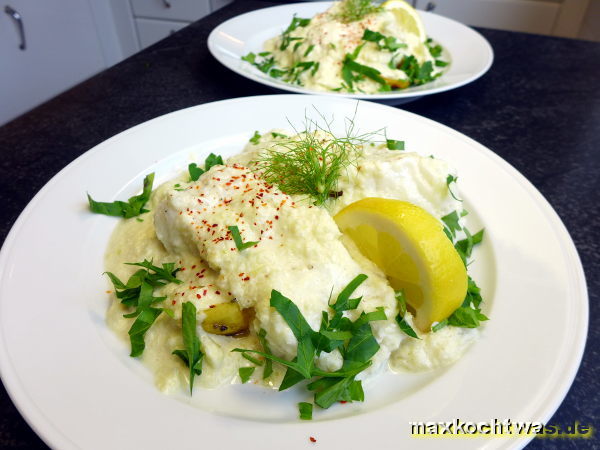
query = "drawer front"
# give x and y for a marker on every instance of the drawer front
(186, 10)
(218, 4)
(527, 16)
(151, 31)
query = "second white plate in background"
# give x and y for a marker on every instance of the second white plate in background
(470, 53)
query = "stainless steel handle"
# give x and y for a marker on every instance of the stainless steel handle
(19, 22)
(430, 6)
(167, 3)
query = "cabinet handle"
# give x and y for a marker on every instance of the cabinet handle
(167, 3)
(19, 21)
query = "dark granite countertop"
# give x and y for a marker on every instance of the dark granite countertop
(538, 108)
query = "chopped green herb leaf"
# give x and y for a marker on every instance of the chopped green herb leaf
(255, 139)
(246, 373)
(308, 50)
(394, 145)
(131, 208)
(404, 326)
(306, 410)
(192, 355)
(278, 135)
(383, 42)
(452, 224)
(262, 338)
(237, 238)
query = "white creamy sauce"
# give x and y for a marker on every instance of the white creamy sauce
(299, 252)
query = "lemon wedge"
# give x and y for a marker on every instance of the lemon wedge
(407, 18)
(409, 21)
(410, 247)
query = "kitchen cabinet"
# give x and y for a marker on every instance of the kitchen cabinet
(45, 48)
(550, 17)
(157, 19)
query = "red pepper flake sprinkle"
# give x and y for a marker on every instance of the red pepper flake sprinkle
(312, 439)
(198, 296)
(343, 401)
(204, 292)
(174, 302)
(245, 279)
(212, 306)
(218, 292)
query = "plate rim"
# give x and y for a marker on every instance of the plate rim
(17, 392)
(397, 95)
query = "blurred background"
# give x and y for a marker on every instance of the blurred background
(47, 47)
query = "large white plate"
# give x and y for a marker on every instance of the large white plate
(76, 386)
(470, 54)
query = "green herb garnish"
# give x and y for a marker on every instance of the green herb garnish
(192, 355)
(255, 139)
(131, 208)
(210, 161)
(353, 10)
(237, 238)
(286, 39)
(137, 292)
(305, 410)
(246, 373)
(452, 179)
(312, 163)
(383, 42)
(404, 326)
(393, 144)
(354, 340)
(262, 338)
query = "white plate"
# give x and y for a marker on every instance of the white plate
(470, 54)
(76, 386)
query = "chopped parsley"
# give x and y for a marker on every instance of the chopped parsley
(404, 326)
(452, 179)
(131, 208)
(246, 373)
(210, 161)
(192, 355)
(354, 340)
(305, 409)
(393, 144)
(383, 42)
(237, 238)
(469, 314)
(255, 139)
(137, 293)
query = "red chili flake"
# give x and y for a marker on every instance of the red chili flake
(343, 401)
(198, 296)
(182, 294)
(214, 225)
(212, 306)
(276, 217)
(204, 292)
(194, 266)
(174, 302)
(241, 274)
(182, 269)
(245, 279)
(203, 270)
(218, 292)
(312, 439)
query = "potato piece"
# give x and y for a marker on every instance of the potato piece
(227, 319)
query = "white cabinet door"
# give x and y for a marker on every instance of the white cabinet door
(61, 49)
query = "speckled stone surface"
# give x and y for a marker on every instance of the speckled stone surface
(538, 107)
